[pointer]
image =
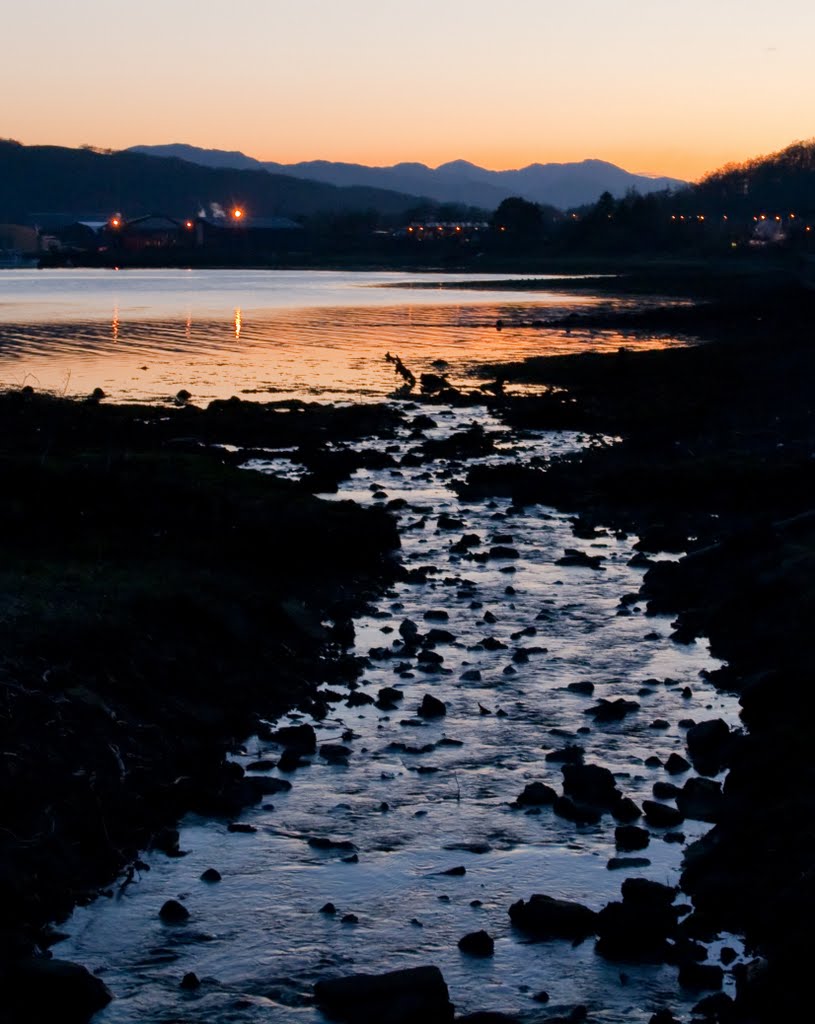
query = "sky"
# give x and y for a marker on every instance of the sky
(676, 87)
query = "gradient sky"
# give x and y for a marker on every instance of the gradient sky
(673, 87)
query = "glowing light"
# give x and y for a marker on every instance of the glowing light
(237, 213)
(764, 216)
(115, 222)
(238, 323)
(188, 224)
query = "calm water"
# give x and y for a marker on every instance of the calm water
(144, 334)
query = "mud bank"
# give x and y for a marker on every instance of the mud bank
(155, 601)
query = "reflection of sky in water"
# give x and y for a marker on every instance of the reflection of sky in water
(144, 334)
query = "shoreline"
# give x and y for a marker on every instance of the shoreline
(716, 460)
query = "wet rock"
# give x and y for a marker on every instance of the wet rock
(358, 699)
(639, 927)
(631, 837)
(301, 738)
(439, 636)
(492, 643)
(503, 551)
(548, 917)
(52, 990)
(709, 744)
(328, 908)
(472, 675)
(572, 753)
(166, 840)
(676, 764)
(436, 615)
(536, 794)
(324, 843)
(591, 784)
(173, 912)
(661, 815)
(624, 863)
(211, 875)
(190, 982)
(626, 810)
(612, 710)
(581, 686)
(665, 790)
(290, 761)
(408, 630)
(663, 1016)
(389, 695)
(448, 522)
(417, 995)
(718, 1007)
(572, 557)
(261, 766)
(579, 813)
(349, 919)
(335, 752)
(432, 707)
(455, 872)
(240, 827)
(477, 943)
(701, 800)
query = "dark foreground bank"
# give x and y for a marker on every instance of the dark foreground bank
(717, 459)
(156, 601)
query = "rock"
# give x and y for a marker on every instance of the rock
(211, 875)
(334, 752)
(581, 686)
(40, 989)
(590, 784)
(549, 918)
(701, 800)
(301, 738)
(709, 745)
(572, 753)
(572, 557)
(328, 908)
(626, 810)
(436, 615)
(631, 837)
(439, 636)
(579, 813)
(536, 794)
(624, 863)
(718, 1007)
(173, 912)
(455, 872)
(240, 827)
(661, 815)
(665, 790)
(324, 843)
(639, 927)
(503, 551)
(432, 707)
(390, 695)
(472, 675)
(676, 764)
(417, 995)
(349, 919)
(190, 982)
(612, 710)
(477, 943)
(408, 630)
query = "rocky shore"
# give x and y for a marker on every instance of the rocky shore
(155, 602)
(715, 460)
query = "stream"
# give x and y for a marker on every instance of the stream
(416, 797)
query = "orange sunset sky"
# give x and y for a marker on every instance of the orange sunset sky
(656, 86)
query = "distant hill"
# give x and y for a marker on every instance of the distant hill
(778, 184)
(48, 184)
(560, 185)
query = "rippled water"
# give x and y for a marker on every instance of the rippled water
(143, 334)
(258, 939)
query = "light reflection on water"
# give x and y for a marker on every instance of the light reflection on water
(146, 334)
(257, 937)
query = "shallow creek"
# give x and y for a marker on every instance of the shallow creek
(258, 940)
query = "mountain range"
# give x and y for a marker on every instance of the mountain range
(554, 184)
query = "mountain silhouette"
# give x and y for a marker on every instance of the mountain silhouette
(563, 185)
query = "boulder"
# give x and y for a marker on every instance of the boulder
(661, 815)
(301, 738)
(549, 918)
(631, 837)
(56, 990)
(591, 784)
(536, 794)
(701, 800)
(417, 995)
(477, 943)
(709, 745)
(432, 707)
